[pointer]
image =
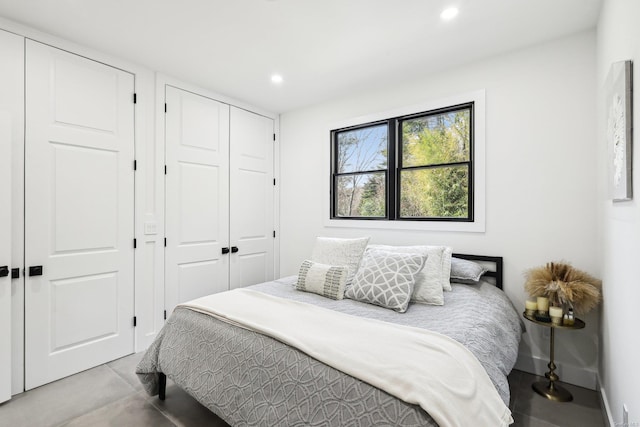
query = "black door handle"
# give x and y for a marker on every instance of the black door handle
(35, 270)
(234, 249)
(4, 271)
(225, 251)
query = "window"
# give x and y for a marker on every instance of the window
(416, 167)
(361, 172)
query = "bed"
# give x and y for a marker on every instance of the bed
(248, 378)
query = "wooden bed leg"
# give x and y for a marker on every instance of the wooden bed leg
(162, 385)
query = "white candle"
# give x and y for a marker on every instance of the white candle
(543, 304)
(556, 315)
(530, 307)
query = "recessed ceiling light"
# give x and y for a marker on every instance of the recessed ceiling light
(449, 13)
(276, 78)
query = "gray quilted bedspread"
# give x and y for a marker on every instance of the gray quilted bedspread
(249, 379)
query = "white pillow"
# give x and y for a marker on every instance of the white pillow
(446, 268)
(336, 251)
(435, 273)
(466, 272)
(386, 278)
(322, 279)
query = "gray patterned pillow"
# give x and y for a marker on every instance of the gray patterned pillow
(466, 272)
(386, 278)
(336, 251)
(326, 280)
(436, 269)
(428, 288)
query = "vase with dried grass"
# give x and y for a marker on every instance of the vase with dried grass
(564, 286)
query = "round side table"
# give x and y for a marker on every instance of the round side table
(550, 389)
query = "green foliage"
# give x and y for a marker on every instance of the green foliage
(361, 195)
(440, 191)
(373, 197)
(432, 187)
(359, 150)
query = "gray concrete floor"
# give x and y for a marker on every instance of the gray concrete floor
(107, 395)
(529, 409)
(110, 395)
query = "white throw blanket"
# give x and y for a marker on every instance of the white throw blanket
(417, 366)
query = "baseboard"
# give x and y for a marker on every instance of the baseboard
(570, 374)
(604, 402)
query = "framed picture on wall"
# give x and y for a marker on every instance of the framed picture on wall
(619, 116)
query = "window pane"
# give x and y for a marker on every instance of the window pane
(363, 149)
(435, 192)
(361, 195)
(437, 139)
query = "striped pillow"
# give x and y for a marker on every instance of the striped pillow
(322, 279)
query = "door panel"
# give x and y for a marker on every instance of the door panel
(74, 322)
(195, 278)
(94, 91)
(252, 219)
(197, 196)
(11, 213)
(79, 216)
(5, 256)
(79, 206)
(199, 211)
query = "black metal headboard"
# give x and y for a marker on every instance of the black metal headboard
(497, 260)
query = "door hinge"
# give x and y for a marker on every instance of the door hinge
(165, 315)
(135, 321)
(274, 136)
(274, 233)
(165, 242)
(165, 169)
(135, 165)
(274, 181)
(135, 98)
(165, 107)
(15, 273)
(135, 243)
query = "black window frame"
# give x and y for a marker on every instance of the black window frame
(395, 167)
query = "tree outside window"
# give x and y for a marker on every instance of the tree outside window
(362, 171)
(433, 176)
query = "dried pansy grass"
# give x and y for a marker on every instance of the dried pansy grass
(562, 283)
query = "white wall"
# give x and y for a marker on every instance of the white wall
(619, 39)
(540, 180)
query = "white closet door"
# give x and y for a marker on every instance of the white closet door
(252, 206)
(11, 229)
(5, 257)
(197, 196)
(79, 216)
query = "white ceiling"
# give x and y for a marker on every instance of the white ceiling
(323, 48)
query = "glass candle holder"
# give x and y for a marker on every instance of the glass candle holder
(530, 307)
(543, 305)
(556, 315)
(569, 318)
